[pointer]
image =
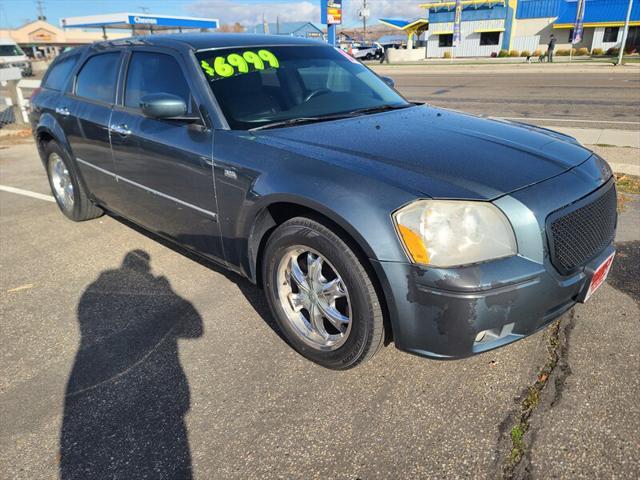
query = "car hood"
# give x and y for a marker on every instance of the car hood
(436, 152)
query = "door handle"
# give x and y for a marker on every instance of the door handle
(121, 129)
(64, 111)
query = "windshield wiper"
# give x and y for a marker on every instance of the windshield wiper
(379, 108)
(301, 120)
(326, 118)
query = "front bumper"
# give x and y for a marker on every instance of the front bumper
(441, 311)
(458, 312)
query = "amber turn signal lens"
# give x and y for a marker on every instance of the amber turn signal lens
(414, 245)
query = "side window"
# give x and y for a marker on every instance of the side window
(98, 77)
(59, 73)
(154, 73)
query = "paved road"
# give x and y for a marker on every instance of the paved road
(126, 353)
(591, 98)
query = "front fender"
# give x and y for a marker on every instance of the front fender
(259, 221)
(251, 176)
(353, 206)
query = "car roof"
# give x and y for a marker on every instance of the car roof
(204, 41)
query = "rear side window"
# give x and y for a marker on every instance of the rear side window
(59, 73)
(97, 78)
(154, 73)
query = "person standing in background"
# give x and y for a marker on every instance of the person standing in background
(552, 46)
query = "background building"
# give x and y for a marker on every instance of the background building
(489, 26)
(42, 39)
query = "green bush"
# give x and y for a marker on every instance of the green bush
(514, 53)
(582, 52)
(562, 52)
(613, 51)
(525, 53)
(503, 53)
(446, 54)
(597, 51)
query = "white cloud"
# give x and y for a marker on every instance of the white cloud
(250, 12)
(407, 9)
(246, 13)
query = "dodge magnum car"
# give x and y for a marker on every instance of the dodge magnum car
(367, 219)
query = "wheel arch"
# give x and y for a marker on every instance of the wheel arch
(49, 129)
(272, 215)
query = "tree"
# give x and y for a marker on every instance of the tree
(236, 27)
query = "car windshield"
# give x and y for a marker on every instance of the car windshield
(10, 51)
(259, 86)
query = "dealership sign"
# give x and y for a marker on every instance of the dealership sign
(331, 11)
(579, 25)
(145, 21)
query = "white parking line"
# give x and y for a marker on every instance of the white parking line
(27, 193)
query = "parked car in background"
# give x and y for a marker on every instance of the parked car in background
(365, 218)
(368, 52)
(11, 55)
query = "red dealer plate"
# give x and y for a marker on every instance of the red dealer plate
(599, 276)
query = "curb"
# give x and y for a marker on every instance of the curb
(602, 136)
(627, 168)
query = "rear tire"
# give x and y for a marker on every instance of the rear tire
(68, 191)
(321, 295)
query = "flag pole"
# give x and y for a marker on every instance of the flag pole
(457, 20)
(578, 27)
(625, 33)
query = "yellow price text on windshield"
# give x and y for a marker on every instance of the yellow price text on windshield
(226, 66)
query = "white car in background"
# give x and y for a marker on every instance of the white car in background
(11, 55)
(368, 52)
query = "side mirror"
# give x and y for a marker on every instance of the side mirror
(165, 105)
(389, 81)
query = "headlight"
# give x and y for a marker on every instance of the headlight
(447, 233)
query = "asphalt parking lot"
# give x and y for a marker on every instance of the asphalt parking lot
(147, 364)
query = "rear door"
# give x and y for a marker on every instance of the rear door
(84, 113)
(164, 167)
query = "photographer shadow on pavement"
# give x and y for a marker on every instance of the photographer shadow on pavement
(127, 394)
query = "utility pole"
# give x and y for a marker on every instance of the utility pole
(364, 20)
(364, 13)
(625, 33)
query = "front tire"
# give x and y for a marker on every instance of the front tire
(321, 295)
(69, 193)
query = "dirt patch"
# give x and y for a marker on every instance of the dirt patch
(13, 136)
(626, 269)
(628, 183)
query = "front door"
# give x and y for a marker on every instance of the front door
(164, 167)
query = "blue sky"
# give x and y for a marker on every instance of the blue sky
(14, 13)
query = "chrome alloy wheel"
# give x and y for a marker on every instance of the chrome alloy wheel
(314, 298)
(61, 181)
